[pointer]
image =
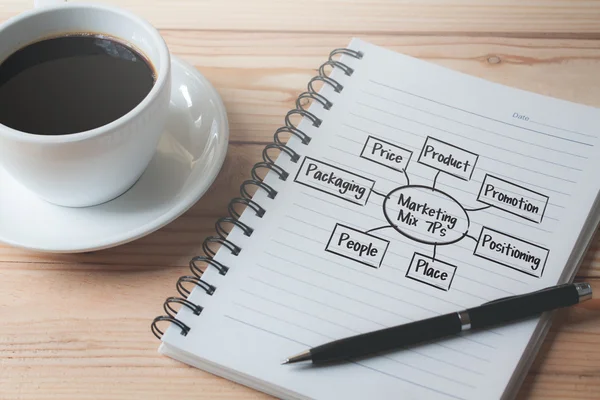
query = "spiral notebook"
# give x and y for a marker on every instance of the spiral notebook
(407, 190)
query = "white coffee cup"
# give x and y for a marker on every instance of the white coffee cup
(95, 166)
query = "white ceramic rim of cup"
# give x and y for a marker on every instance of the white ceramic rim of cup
(161, 79)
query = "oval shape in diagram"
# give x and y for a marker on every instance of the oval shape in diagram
(426, 215)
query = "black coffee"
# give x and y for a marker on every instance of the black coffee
(71, 84)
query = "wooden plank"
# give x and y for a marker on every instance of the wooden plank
(510, 17)
(83, 331)
(543, 387)
(567, 365)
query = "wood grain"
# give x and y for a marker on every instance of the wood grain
(432, 17)
(77, 326)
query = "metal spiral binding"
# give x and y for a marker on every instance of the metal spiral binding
(245, 197)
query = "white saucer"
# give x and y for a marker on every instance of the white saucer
(188, 159)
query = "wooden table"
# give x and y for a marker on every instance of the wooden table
(77, 326)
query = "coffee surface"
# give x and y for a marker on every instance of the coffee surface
(71, 84)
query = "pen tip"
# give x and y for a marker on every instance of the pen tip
(304, 356)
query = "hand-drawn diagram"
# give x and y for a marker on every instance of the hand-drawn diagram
(426, 214)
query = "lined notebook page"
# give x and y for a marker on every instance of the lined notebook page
(423, 191)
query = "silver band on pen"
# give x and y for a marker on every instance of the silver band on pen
(465, 320)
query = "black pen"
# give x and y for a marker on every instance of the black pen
(495, 312)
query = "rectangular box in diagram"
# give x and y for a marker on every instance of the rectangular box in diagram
(511, 252)
(358, 246)
(335, 181)
(436, 273)
(448, 158)
(512, 198)
(387, 154)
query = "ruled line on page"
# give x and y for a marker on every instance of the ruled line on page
(246, 307)
(546, 215)
(404, 379)
(462, 262)
(408, 258)
(483, 283)
(480, 115)
(350, 254)
(424, 248)
(539, 173)
(494, 145)
(385, 295)
(524, 182)
(289, 291)
(415, 244)
(454, 134)
(488, 271)
(287, 306)
(361, 365)
(374, 121)
(391, 282)
(320, 303)
(396, 128)
(374, 291)
(352, 331)
(475, 180)
(456, 289)
(562, 129)
(266, 330)
(429, 372)
(474, 126)
(330, 338)
(369, 275)
(383, 235)
(472, 179)
(329, 290)
(411, 173)
(468, 293)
